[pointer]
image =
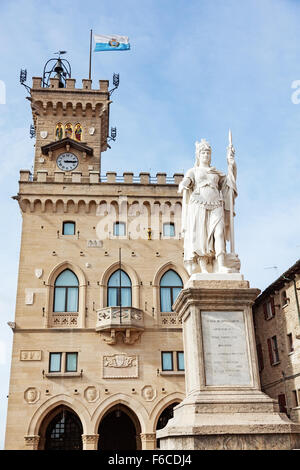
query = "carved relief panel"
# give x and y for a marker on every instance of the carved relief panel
(120, 366)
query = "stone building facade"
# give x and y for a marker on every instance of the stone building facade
(85, 372)
(277, 326)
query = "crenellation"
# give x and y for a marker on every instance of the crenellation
(103, 85)
(36, 82)
(86, 84)
(54, 83)
(93, 177)
(70, 83)
(144, 178)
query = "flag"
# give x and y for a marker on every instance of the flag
(114, 42)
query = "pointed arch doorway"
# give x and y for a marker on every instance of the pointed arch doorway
(119, 429)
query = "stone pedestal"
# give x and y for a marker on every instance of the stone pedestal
(224, 407)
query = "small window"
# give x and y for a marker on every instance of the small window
(167, 360)
(269, 309)
(68, 228)
(295, 397)
(119, 229)
(55, 362)
(273, 350)
(71, 362)
(169, 230)
(284, 299)
(180, 360)
(290, 343)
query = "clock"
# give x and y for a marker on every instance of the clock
(67, 161)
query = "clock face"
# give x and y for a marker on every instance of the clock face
(67, 161)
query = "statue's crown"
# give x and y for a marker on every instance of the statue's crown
(202, 145)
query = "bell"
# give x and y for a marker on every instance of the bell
(58, 67)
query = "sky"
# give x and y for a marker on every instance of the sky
(195, 69)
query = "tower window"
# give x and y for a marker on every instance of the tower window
(68, 228)
(168, 363)
(170, 286)
(71, 362)
(169, 230)
(119, 290)
(167, 360)
(66, 292)
(119, 229)
(55, 362)
(180, 360)
(63, 362)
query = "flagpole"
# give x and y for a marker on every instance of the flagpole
(90, 64)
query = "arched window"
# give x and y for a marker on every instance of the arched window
(64, 432)
(170, 286)
(66, 292)
(119, 290)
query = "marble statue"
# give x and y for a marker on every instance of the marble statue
(207, 213)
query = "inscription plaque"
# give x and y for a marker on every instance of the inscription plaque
(225, 349)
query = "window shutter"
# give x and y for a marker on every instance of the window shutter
(273, 306)
(270, 351)
(265, 311)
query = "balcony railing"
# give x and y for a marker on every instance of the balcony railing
(125, 322)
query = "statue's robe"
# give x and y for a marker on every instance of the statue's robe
(206, 206)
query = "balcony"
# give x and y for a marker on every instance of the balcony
(114, 323)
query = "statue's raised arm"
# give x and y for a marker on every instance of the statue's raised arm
(207, 210)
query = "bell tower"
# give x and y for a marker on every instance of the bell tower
(71, 125)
